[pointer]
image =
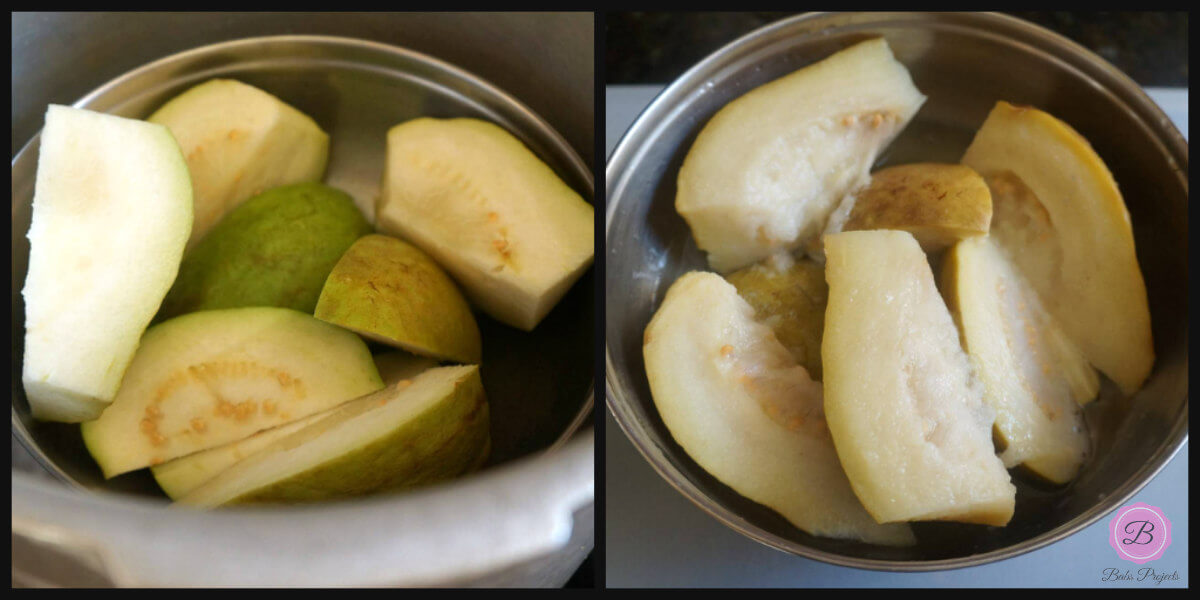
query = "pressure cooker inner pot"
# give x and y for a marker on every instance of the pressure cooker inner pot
(538, 384)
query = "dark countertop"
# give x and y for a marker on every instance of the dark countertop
(656, 47)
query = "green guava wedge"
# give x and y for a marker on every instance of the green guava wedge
(182, 475)
(416, 432)
(391, 292)
(276, 249)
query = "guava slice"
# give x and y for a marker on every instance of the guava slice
(1058, 212)
(739, 405)
(1032, 374)
(767, 170)
(240, 141)
(391, 292)
(416, 432)
(788, 295)
(939, 204)
(489, 211)
(112, 209)
(179, 476)
(184, 474)
(906, 414)
(214, 377)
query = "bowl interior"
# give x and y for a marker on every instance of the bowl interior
(538, 384)
(964, 64)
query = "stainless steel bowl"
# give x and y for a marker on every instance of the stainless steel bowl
(525, 519)
(964, 63)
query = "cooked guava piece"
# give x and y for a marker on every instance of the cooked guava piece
(1033, 376)
(939, 204)
(788, 295)
(767, 170)
(1059, 213)
(739, 405)
(907, 417)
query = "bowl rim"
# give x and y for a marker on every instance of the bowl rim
(495, 98)
(630, 146)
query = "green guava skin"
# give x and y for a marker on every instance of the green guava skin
(276, 249)
(391, 292)
(448, 439)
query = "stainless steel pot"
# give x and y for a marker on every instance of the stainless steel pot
(964, 63)
(526, 519)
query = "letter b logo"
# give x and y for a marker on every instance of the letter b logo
(1139, 533)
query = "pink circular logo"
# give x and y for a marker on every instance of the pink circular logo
(1139, 533)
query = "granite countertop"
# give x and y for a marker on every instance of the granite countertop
(655, 47)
